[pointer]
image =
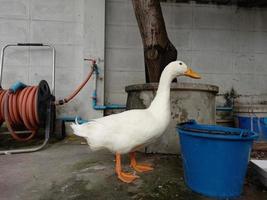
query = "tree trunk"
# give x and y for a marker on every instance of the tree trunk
(158, 50)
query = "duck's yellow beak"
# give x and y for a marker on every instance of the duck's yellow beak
(192, 74)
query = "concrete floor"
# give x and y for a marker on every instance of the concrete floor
(68, 170)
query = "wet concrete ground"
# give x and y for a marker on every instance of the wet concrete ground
(68, 170)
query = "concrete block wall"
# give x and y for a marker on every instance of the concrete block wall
(75, 28)
(226, 44)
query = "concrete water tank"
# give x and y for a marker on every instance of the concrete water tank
(188, 101)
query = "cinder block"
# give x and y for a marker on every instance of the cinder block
(181, 39)
(260, 83)
(120, 13)
(14, 9)
(13, 30)
(245, 83)
(250, 64)
(212, 62)
(251, 42)
(117, 98)
(223, 81)
(244, 19)
(14, 73)
(77, 107)
(260, 20)
(66, 56)
(94, 29)
(116, 81)
(69, 56)
(181, 16)
(68, 79)
(244, 63)
(243, 42)
(125, 59)
(211, 17)
(123, 37)
(94, 23)
(213, 40)
(67, 10)
(186, 56)
(15, 55)
(56, 32)
(38, 73)
(41, 56)
(130, 16)
(260, 41)
(167, 12)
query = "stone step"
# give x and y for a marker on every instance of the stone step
(260, 167)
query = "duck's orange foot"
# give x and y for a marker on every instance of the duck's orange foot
(139, 167)
(142, 167)
(127, 177)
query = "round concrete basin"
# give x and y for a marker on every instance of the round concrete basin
(188, 101)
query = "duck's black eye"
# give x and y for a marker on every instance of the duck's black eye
(180, 63)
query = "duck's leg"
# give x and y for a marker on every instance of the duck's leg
(139, 167)
(125, 177)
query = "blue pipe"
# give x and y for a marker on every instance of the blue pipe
(220, 108)
(72, 119)
(94, 96)
(104, 107)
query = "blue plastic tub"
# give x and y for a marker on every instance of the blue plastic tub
(252, 117)
(257, 124)
(215, 158)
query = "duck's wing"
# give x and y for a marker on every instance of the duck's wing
(119, 132)
(128, 121)
(115, 124)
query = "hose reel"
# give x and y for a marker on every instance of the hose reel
(25, 107)
(33, 107)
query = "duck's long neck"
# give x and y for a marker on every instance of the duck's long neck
(161, 101)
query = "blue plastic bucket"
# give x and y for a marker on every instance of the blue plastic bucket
(252, 117)
(215, 158)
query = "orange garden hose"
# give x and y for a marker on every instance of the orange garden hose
(20, 109)
(75, 92)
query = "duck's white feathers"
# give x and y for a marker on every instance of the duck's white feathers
(121, 132)
(126, 131)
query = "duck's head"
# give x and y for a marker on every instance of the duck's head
(179, 68)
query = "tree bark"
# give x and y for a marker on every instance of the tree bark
(158, 50)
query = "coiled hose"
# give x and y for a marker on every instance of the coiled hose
(22, 108)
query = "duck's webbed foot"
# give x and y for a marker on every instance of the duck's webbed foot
(125, 177)
(139, 167)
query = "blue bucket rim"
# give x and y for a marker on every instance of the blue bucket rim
(215, 131)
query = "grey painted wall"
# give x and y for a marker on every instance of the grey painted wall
(75, 28)
(226, 44)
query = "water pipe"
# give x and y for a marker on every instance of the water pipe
(72, 119)
(221, 108)
(94, 95)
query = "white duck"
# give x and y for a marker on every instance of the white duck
(127, 131)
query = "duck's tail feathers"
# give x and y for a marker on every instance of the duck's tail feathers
(76, 120)
(78, 129)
